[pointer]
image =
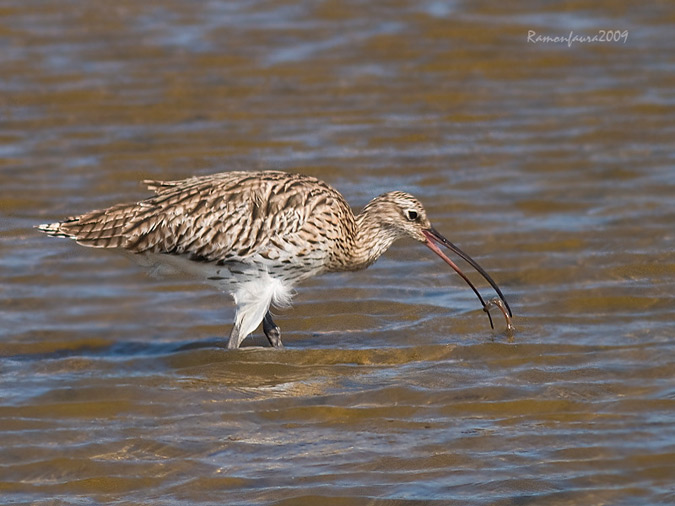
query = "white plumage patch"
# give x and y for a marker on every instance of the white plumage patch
(251, 286)
(253, 299)
(50, 228)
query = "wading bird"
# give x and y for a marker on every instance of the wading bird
(257, 234)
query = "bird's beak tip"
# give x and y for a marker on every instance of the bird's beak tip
(433, 237)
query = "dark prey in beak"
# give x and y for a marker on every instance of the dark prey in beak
(434, 238)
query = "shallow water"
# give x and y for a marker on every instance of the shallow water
(551, 165)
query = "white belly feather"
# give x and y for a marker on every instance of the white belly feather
(252, 286)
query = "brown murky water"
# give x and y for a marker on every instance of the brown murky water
(552, 165)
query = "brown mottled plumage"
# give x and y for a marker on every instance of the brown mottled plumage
(256, 234)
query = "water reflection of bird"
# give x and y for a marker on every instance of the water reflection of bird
(257, 234)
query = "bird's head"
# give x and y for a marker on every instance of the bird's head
(399, 215)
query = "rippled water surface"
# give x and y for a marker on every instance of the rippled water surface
(552, 165)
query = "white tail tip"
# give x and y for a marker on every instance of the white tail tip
(50, 228)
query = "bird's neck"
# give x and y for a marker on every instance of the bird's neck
(370, 239)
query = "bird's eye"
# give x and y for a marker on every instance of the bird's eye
(411, 214)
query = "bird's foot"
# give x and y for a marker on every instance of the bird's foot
(272, 331)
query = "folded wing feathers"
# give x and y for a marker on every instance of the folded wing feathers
(216, 217)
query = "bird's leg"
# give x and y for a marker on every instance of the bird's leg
(272, 331)
(234, 340)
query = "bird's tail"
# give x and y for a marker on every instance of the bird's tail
(53, 229)
(97, 229)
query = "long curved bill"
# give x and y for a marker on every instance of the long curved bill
(432, 242)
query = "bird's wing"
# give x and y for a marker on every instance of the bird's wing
(227, 216)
